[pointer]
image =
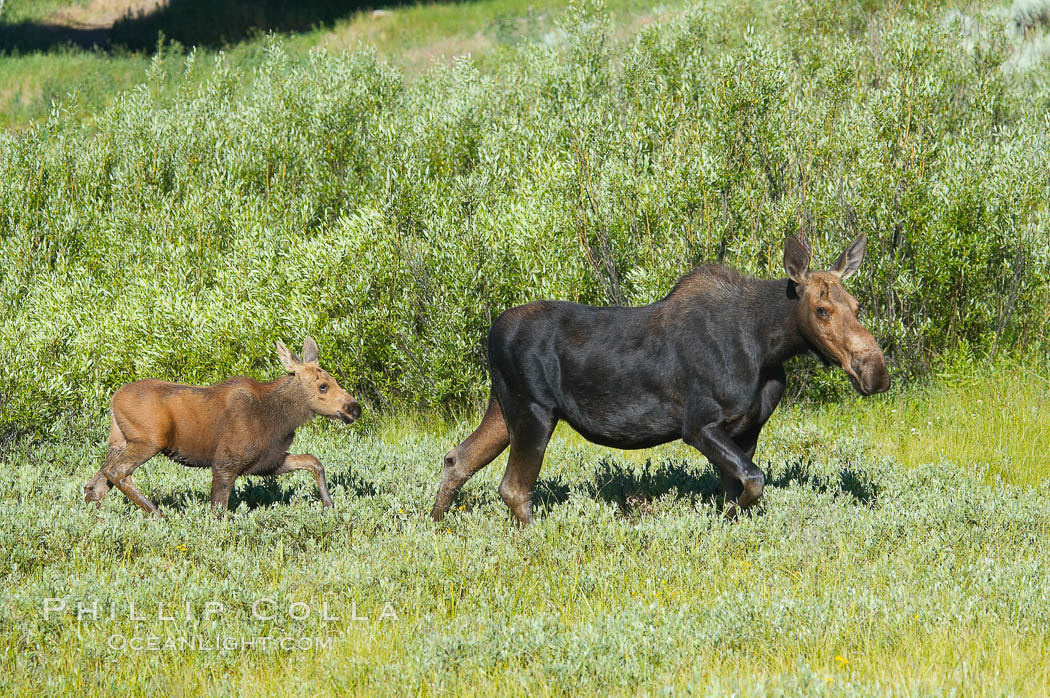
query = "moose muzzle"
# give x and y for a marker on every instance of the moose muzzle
(868, 373)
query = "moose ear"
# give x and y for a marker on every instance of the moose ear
(796, 259)
(309, 350)
(850, 259)
(289, 360)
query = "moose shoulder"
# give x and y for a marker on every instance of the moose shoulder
(705, 364)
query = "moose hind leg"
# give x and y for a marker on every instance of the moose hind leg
(305, 461)
(528, 444)
(478, 450)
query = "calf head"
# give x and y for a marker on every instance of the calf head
(317, 387)
(827, 315)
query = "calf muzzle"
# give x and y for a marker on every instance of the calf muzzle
(350, 412)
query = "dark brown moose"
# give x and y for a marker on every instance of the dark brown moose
(705, 364)
(237, 427)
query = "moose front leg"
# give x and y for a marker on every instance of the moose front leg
(305, 461)
(734, 466)
(769, 397)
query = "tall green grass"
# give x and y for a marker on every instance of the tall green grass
(987, 417)
(214, 209)
(83, 83)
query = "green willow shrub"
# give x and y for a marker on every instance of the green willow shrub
(182, 233)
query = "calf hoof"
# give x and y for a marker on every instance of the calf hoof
(94, 492)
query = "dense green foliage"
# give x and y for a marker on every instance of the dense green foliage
(233, 200)
(855, 577)
(185, 230)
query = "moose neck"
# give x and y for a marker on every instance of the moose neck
(775, 314)
(286, 404)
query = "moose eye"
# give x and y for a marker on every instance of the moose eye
(823, 313)
(323, 388)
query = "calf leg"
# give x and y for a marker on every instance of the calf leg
(222, 479)
(734, 466)
(305, 461)
(480, 448)
(119, 466)
(528, 443)
(98, 486)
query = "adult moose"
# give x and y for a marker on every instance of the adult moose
(705, 364)
(237, 427)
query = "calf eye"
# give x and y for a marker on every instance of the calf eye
(323, 388)
(822, 313)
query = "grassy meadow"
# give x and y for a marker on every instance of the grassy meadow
(357, 176)
(858, 575)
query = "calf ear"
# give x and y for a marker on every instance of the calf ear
(850, 259)
(796, 260)
(288, 359)
(309, 350)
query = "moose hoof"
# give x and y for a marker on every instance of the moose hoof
(752, 494)
(730, 510)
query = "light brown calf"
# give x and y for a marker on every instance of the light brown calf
(237, 427)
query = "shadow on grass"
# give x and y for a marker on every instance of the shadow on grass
(850, 481)
(263, 491)
(633, 490)
(206, 23)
